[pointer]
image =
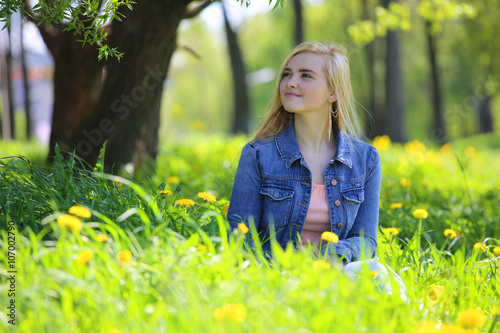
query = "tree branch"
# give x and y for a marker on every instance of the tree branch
(189, 50)
(30, 17)
(192, 11)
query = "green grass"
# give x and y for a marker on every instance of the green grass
(184, 269)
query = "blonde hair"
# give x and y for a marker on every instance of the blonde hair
(337, 73)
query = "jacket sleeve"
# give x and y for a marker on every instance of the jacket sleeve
(246, 200)
(363, 235)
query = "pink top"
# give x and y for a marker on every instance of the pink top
(318, 216)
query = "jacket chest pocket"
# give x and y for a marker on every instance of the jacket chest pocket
(277, 205)
(353, 196)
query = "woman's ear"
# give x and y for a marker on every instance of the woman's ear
(332, 97)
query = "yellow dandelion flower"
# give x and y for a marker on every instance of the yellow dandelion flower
(80, 211)
(236, 312)
(495, 311)
(480, 247)
(242, 227)
(380, 204)
(433, 293)
(479, 279)
(389, 212)
(202, 248)
(446, 148)
(166, 192)
(207, 197)
(471, 318)
(414, 147)
(177, 110)
(406, 183)
(125, 256)
(452, 329)
(102, 238)
(373, 274)
(117, 183)
(173, 180)
(496, 250)
(198, 125)
(392, 231)
(321, 264)
(470, 151)
(84, 257)
(70, 221)
(329, 237)
(185, 202)
(450, 233)
(420, 213)
(396, 205)
(382, 142)
(226, 208)
(425, 327)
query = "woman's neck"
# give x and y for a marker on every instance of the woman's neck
(311, 132)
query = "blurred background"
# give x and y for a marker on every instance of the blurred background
(425, 70)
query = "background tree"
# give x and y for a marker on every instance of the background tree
(8, 128)
(299, 26)
(241, 114)
(394, 90)
(124, 108)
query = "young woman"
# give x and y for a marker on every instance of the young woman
(303, 174)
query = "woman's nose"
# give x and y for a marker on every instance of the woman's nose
(291, 82)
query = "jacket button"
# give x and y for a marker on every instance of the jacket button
(340, 225)
(334, 182)
(337, 203)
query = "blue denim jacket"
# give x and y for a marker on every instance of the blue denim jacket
(273, 184)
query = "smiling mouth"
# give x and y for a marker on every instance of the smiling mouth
(289, 94)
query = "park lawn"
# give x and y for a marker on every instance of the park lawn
(153, 255)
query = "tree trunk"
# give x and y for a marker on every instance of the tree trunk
(485, 116)
(8, 128)
(439, 130)
(26, 84)
(77, 81)
(127, 111)
(376, 126)
(241, 112)
(396, 128)
(299, 27)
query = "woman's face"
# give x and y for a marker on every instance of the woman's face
(304, 86)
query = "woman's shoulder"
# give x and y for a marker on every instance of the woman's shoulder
(361, 150)
(261, 142)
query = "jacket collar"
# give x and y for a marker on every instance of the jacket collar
(289, 148)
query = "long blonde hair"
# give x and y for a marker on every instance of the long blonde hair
(338, 76)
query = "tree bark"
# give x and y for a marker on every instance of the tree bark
(26, 84)
(8, 128)
(299, 27)
(127, 111)
(241, 112)
(77, 82)
(394, 98)
(439, 130)
(373, 126)
(485, 116)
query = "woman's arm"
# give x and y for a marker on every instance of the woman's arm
(363, 235)
(246, 200)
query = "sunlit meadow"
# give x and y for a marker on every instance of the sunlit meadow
(102, 253)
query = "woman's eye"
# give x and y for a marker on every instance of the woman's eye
(285, 75)
(307, 76)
